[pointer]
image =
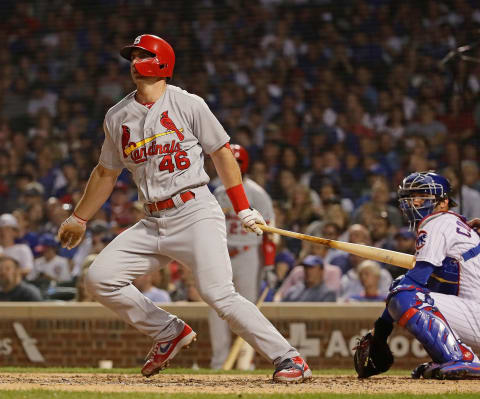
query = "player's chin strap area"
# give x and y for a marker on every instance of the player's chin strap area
(414, 309)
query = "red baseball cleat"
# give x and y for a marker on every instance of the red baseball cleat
(292, 370)
(162, 352)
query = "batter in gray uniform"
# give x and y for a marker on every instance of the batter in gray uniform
(159, 133)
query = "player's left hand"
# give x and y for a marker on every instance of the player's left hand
(249, 218)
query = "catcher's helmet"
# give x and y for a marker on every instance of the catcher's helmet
(163, 58)
(241, 155)
(433, 187)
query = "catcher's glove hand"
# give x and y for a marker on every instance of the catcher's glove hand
(371, 357)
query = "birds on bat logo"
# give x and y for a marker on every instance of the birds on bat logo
(167, 122)
(421, 239)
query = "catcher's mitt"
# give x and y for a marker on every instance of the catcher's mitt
(371, 357)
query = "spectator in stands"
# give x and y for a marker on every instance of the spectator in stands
(378, 202)
(380, 229)
(356, 233)
(404, 241)
(145, 285)
(471, 174)
(121, 207)
(12, 286)
(20, 252)
(284, 263)
(369, 275)
(470, 198)
(313, 288)
(351, 284)
(331, 273)
(49, 267)
(98, 235)
(182, 286)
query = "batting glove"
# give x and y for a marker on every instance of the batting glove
(249, 218)
(71, 231)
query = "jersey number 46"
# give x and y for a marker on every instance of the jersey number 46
(180, 160)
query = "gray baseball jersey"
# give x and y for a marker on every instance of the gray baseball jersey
(162, 146)
(246, 257)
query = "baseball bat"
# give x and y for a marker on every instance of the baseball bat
(237, 345)
(379, 254)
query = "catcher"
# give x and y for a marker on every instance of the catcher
(441, 315)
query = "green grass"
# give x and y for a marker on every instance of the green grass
(40, 394)
(94, 370)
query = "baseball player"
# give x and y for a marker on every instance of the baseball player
(247, 251)
(437, 300)
(159, 133)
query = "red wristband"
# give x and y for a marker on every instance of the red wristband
(79, 219)
(238, 198)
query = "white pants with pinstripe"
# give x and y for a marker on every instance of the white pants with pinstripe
(463, 316)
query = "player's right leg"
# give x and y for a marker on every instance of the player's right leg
(211, 268)
(416, 310)
(109, 279)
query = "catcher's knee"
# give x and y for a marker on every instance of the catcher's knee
(401, 300)
(416, 311)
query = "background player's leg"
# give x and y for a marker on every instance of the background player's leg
(109, 279)
(220, 339)
(245, 265)
(462, 315)
(201, 244)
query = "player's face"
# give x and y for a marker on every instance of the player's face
(419, 198)
(138, 55)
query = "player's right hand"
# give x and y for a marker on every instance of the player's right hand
(71, 231)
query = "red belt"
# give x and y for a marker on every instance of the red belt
(168, 203)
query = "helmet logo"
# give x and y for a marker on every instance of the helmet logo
(137, 39)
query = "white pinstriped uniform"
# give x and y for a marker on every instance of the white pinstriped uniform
(442, 235)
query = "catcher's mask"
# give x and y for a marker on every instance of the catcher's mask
(430, 187)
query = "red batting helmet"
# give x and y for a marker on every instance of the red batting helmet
(163, 58)
(241, 155)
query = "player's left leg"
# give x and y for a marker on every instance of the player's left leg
(201, 244)
(417, 311)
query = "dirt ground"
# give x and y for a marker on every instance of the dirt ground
(228, 384)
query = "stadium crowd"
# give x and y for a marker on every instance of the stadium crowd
(335, 102)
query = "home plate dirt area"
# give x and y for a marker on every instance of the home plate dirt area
(176, 383)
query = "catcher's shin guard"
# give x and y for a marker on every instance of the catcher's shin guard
(415, 310)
